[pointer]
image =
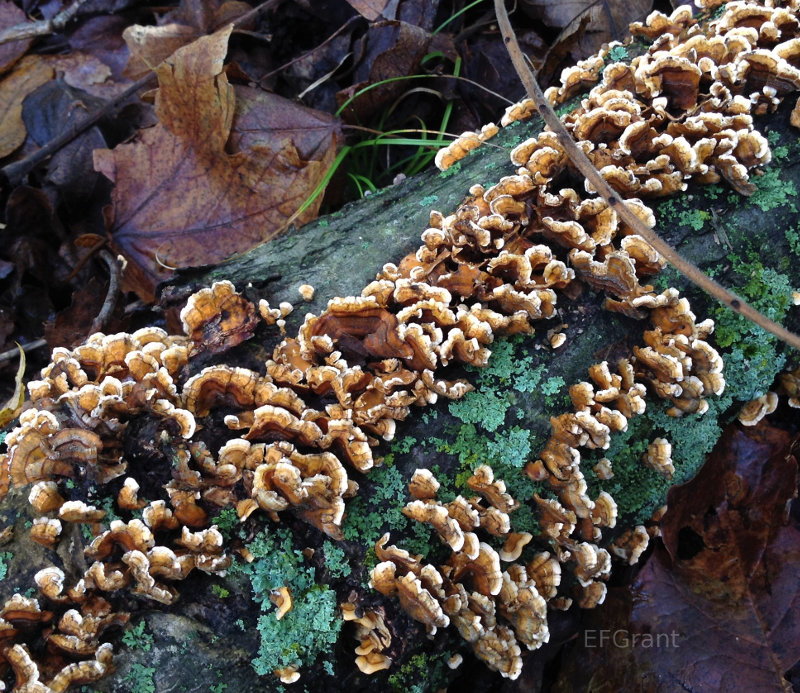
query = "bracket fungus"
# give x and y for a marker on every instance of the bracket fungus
(292, 433)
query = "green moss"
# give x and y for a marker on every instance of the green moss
(220, 591)
(793, 239)
(370, 515)
(487, 408)
(511, 446)
(403, 445)
(694, 218)
(637, 489)
(420, 674)
(751, 356)
(141, 678)
(670, 213)
(226, 522)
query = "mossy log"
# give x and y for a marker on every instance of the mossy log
(748, 244)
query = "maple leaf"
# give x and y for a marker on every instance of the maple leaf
(181, 198)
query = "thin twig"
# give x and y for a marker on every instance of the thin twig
(285, 66)
(42, 27)
(12, 174)
(86, 257)
(111, 296)
(585, 166)
(30, 346)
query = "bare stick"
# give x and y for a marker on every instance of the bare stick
(13, 353)
(43, 27)
(585, 166)
(111, 296)
(12, 174)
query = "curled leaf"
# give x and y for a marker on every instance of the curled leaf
(12, 408)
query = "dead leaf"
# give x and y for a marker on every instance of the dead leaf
(180, 199)
(725, 599)
(391, 49)
(262, 119)
(150, 45)
(102, 37)
(72, 324)
(12, 407)
(608, 20)
(374, 9)
(30, 73)
(11, 15)
(88, 73)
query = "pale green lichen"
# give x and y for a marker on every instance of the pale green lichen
(617, 54)
(335, 560)
(452, 171)
(4, 558)
(310, 629)
(428, 200)
(774, 191)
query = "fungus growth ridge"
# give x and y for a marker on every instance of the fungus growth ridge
(296, 431)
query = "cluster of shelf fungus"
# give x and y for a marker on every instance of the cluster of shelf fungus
(683, 111)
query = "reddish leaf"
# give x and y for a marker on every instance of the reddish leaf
(744, 488)
(180, 198)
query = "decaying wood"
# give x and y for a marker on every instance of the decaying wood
(339, 254)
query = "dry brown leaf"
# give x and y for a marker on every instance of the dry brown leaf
(149, 45)
(31, 72)
(181, 198)
(390, 49)
(10, 410)
(608, 20)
